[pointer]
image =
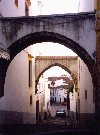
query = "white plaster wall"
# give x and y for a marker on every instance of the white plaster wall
(43, 94)
(16, 90)
(16, 94)
(85, 83)
(86, 5)
(47, 95)
(73, 101)
(82, 32)
(60, 93)
(9, 9)
(57, 95)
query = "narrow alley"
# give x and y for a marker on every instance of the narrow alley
(49, 67)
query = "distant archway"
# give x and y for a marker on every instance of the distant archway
(63, 67)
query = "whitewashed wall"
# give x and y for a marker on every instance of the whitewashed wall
(12, 11)
(85, 83)
(9, 9)
(47, 96)
(58, 94)
(86, 5)
(73, 98)
(43, 94)
(61, 94)
(16, 90)
(16, 100)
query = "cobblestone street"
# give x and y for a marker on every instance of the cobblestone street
(67, 122)
(51, 126)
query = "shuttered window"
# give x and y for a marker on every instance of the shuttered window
(30, 73)
(16, 3)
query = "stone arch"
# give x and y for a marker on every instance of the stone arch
(63, 67)
(39, 37)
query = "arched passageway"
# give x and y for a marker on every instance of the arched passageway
(39, 37)
(26, 41)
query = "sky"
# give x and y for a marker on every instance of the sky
(51, 49)
(56, 71)
(47, 7)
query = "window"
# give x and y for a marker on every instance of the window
(50, 93)
(30, 73)
(31, 100)
(48, 85)
(53, 92)
(16, 3)
(85, 94)
(52, 83)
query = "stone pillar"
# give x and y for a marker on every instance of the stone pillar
(3, 69)
(97, 104)
(4, 62)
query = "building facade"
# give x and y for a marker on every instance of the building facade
(19, 95)
(58, 89)
(13, 8)
(85, 97)
(86, 6)
(43, 97)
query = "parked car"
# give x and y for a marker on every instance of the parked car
(61, 113)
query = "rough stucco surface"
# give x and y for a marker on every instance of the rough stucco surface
(78, 27)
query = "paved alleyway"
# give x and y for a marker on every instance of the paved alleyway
(52, 126)
(67, 122)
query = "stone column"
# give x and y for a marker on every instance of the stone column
(4, 62)
(97, 104)
(3, 69)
